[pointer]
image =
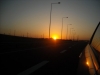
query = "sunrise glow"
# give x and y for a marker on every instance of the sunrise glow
(55, 37)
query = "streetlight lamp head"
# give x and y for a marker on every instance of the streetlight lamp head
(58, 2)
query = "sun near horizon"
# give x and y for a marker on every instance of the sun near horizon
(54, 37)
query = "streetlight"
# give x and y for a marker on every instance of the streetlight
(70, 32)
(50, 17)
(67, 31)
(73, 34)
(62, 26)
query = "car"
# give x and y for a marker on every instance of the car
(89, 63)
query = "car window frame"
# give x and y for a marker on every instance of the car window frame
(94, 33)
(94, 50)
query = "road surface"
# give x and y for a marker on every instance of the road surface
(51, 59)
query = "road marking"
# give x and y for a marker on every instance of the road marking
(63, 51)
(34, 68)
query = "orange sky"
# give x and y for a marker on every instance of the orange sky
(33, 17)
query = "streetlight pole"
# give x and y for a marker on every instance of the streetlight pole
(62, 26)
(73, 35)
(50, 17)
(70, 32)
(67, 31)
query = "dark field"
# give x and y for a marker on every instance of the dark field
(14, 43)
(19, 54)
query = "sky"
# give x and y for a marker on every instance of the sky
(32, 18)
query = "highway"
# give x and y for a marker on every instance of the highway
(62, 59)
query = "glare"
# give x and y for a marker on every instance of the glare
(54, 38)
(87, 63)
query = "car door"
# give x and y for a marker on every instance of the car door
(89, 63)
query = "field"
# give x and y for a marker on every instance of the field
(19, 54)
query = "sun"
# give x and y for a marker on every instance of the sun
(54, 37)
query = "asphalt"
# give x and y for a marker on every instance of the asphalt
(59, 59)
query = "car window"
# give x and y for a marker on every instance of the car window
(96, 40)
(95, 44)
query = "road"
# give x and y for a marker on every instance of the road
(59, 59)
